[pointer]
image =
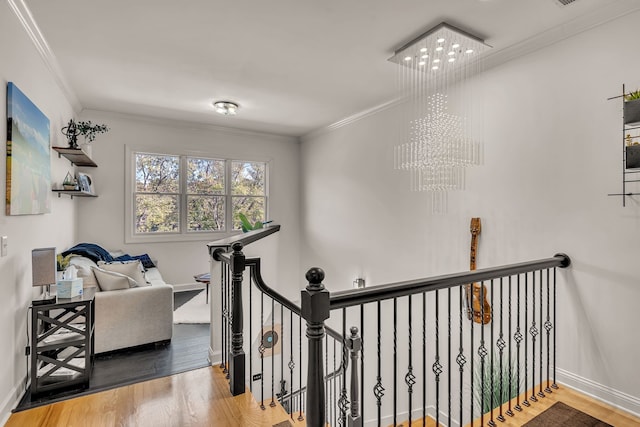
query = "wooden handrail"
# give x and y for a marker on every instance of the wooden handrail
(224, 245)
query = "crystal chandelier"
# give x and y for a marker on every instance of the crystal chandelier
(441, 136)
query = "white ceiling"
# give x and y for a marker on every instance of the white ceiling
(293, 65)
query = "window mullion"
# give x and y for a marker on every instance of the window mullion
(183, 194)
(228, 209)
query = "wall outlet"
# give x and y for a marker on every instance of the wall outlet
(4, 244)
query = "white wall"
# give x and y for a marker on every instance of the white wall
(22, 65)
(101, 220)
(552, 153)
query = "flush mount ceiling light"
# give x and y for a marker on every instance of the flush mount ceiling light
(440, 137)
(226, 108)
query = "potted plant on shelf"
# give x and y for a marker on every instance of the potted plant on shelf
(86, 129)
(632, 107)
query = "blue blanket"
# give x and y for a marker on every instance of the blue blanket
(97, 253)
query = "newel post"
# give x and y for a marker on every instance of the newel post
(236, 353)
(354, 344)
(315, 310)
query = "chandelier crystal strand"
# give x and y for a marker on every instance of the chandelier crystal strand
(442, 137)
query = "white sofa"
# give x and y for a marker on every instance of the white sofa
(129, 317)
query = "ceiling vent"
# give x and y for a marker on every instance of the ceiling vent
(564, 2)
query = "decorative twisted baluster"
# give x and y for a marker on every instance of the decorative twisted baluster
(437, 367)
(501, 344)
(343, 401)
(315, 310)
(378, 390)
(460, 359)
(237, 356)
(409, 378)
(482, 352)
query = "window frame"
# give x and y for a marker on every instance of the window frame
(184, 235)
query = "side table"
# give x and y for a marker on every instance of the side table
(62, 343)
(206, 279)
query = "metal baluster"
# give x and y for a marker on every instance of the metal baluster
(548, 326)
(361, 359)
(509, 410)
(261, 349)
(410, 379)
(555, 321)
(540, 393)
(291, 364)
(223, 317)
(492, 402)
(283, 383)
(300, 417)
(525, 402)
(471, 347)
(534, 333)
(482, 352)
(395, 361)
(517, 336)
(355, 347)
(328, 380)
(343, 402)
(335, 386)
(273, 367)
(501, 345)
(251, 332)
(378, 390)
(461, 360)
(448, 356)
(437, 367)
(424, 358)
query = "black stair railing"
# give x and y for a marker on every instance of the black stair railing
(464, 371)
(275, 365)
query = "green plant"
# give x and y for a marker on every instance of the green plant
(89, 130)
(497, 385)
(246, 225)
(63, 262)
(632, 95)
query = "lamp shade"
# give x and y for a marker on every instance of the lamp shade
(43, 266)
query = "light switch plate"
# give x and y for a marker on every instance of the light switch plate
(4, 244)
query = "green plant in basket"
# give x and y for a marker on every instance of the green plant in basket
(632, 95)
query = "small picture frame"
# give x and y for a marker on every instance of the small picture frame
(85, 183)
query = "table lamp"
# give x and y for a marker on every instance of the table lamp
(43, 272)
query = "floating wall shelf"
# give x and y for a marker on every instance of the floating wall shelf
(75, 156)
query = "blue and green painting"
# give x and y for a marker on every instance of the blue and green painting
(28, 156)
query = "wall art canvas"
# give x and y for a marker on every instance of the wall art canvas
(28, 156)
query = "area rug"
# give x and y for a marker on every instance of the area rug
(561, 415)
(196, 310)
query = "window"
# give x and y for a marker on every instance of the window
(181, 196)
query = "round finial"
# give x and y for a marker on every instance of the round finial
(315, 275)
(354, 331)
(236, 246)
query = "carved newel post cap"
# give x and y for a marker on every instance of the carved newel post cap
(354, 332)
(315, 276)
(236, 246)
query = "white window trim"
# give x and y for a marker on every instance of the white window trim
(184, 236)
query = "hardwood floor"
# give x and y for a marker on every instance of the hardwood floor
(189, 349)
(191, 399)
(201, 398)
(567, 395)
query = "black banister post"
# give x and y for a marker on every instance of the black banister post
(236, 355)
(354, 344)
(315, 310)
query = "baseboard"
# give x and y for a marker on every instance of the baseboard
(215, 357)
(10, 402)
(598, 391)
(181, 287)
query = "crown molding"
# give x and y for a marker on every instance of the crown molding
(30, 26)
(580, 24)
(351, 119)
(159, 121)
(557, 34)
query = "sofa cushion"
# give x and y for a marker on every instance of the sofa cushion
(84, 265)
(112, 281)
(133, 269)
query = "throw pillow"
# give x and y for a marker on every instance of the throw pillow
(133, 269)
(84, 270)
(112, 281)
